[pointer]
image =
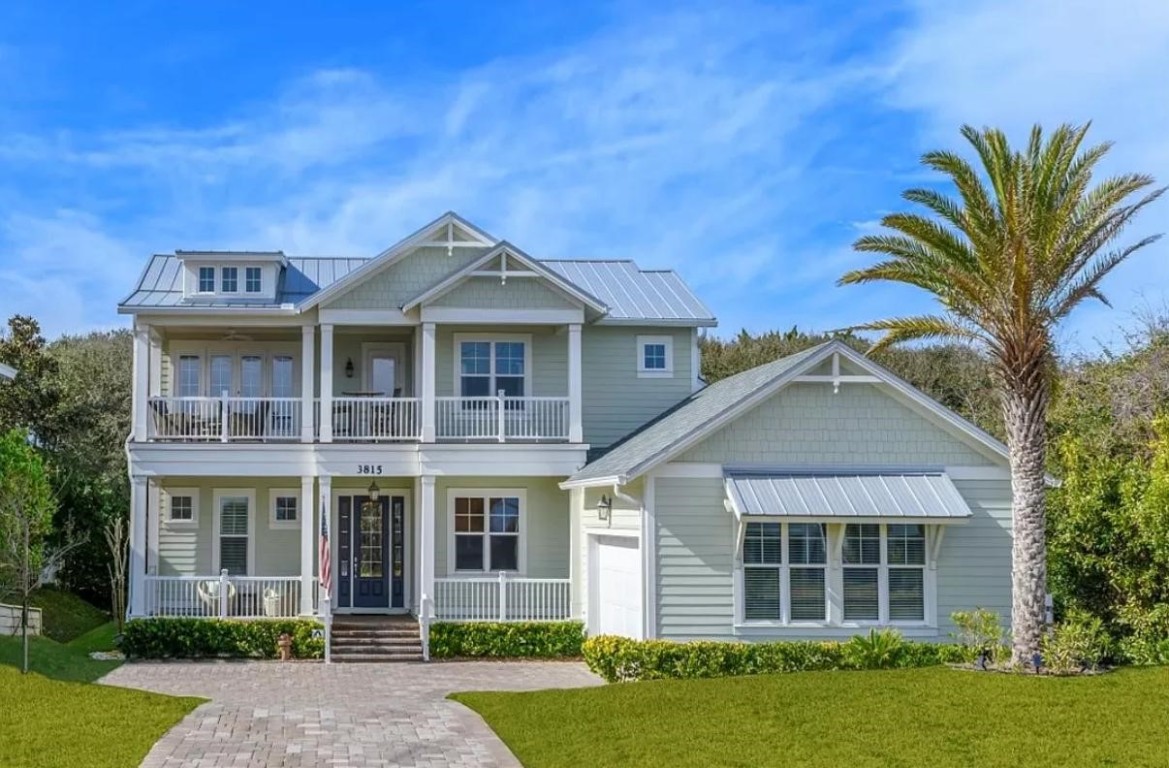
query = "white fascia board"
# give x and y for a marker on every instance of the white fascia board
(368, 461)
(365, 317)
(502, 460)
(285, 310)
(206, 320)
(215, 459)
(502, 316)
(595, 482)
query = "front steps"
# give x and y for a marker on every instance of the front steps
(375, 638)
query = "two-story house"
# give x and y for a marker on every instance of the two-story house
(484, 435)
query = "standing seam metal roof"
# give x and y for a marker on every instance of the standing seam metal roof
(906, 495)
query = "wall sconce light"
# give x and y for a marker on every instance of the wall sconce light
(349, 368)
(604, 508)
(375, 493)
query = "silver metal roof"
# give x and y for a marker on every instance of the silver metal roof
(894, 495)
(634, 294)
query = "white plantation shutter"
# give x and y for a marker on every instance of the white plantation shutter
(233, 534)
(762, 556)
(862, 547)
(906, 546)
(807, 551)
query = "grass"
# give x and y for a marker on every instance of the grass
(938, 717)
(65, 615)
(55, 716)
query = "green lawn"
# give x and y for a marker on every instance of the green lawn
(65, 615)
(56, 717)
(937, 717)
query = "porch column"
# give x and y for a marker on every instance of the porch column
(307, 540)
(308, 371)
(155, 364)
(325, 490)
(575, 556)
(141, 388)
(154, 510)
(428, 404)
(326, 383)
(426, 545)
(575, 432)
(139, 492)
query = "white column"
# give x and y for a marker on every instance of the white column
(575, 556)
(325, 505)
(139, 492)
(308, 540)
(575, 431)
(426, 541)
(326, 383)
(155, 364)
(427, 363)
(154, 510)
(308, 370)
(141, 387)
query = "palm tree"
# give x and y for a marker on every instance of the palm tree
(1027, 239)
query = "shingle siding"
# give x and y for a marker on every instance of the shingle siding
(490, 293)
(405, 279)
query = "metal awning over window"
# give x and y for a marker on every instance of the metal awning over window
(925, 495)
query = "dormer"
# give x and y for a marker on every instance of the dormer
(231, 276)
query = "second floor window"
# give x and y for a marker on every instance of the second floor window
(655, 356)
(230, 281)
(252, 280)
(486, 367)
(206, 279)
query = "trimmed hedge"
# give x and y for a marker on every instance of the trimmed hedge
(506, 640)
(619, 659)
(218, 638)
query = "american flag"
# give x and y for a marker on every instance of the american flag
(324, 556)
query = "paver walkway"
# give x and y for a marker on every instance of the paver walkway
(339, 716)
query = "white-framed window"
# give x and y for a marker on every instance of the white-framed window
(884, 573)
(655, 356)
(487, 531)
(229, 280)
(253, 280)
(484, 365)
(785, 572)
(233, 543)
(182, 507)
(284, 508)
(188, 374)
(206, 280)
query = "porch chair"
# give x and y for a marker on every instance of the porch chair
(209, 593)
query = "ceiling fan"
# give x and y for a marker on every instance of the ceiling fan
(234, 335)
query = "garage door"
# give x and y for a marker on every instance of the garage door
(617, 584)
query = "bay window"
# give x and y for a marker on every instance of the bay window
(486, 531)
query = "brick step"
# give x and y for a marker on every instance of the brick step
(374, 633)
(368, 642)
(356, 658)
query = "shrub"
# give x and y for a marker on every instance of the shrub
(506, 640)
(1080, 642)
(218, 638)
(618, 659)
(978, 631)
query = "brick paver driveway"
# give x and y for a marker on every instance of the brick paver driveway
(342, 715)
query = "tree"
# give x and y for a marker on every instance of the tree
(29, 400)
(1028, 239)
(117, 536)
(26, 514)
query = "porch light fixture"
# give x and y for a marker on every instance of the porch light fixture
(604, 508)
(349, 368)
(375, 493)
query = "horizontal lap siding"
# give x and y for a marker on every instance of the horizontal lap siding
(614, 401)
(974, 566)
(549, 362)
(694, 540)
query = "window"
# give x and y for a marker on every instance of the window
(234, 531)
(220, 380)
(182, 506)
(884, 573)
(766, 572)
(284, 511)
(655, 356)
(252, 280)
(486, 530)
(487, 366)
(188, 376)
(206, 279)
(230, 280)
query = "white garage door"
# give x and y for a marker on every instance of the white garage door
(616, 587)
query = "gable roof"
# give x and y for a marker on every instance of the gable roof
(503, 251)
(7, 372)
(711, 408)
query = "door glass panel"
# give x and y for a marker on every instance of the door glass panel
(251, 376)
(189, 376)
(382, 375)
(282, 376)
(370, 546)
(220, 375)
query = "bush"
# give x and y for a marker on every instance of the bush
(506, 640)
(980, 631)
(1080, 642)
(619, 659)
(218, 638)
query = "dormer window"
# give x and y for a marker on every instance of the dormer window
(206, 279)
(230, 280)
(252, 280)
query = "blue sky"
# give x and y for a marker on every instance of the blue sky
(744, 144)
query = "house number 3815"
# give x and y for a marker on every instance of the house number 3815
(369, 469)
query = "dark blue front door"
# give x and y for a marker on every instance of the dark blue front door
(370, 542)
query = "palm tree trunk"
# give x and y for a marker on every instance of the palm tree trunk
(1025, 415)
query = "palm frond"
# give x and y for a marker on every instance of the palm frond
(915, 328)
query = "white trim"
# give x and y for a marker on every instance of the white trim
(629, 533)
(365, 317)
(457, 340)
(575, 385)
(648, 553)
(695, 362)
(218, 495)
(153, 532)
(169, 493)
(486, 494)
(667, 343)
(275, 524)
(592, 599)
(501, 316)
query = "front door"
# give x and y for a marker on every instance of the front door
(371, 543)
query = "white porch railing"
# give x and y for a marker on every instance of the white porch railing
(502, 598)
(225, 419)
(375, 418)
(223, 596)
(501, 418)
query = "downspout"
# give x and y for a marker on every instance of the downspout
(619, 494)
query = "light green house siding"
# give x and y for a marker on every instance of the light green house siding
(549, 363)
(405, 279)
(614, 400)
(624, 518)
(974, 565)
(809, 425)
(490, 293)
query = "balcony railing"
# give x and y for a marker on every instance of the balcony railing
(375, 418)
(223, 596)
(501, 418)
(224, 418)
(502, 598)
